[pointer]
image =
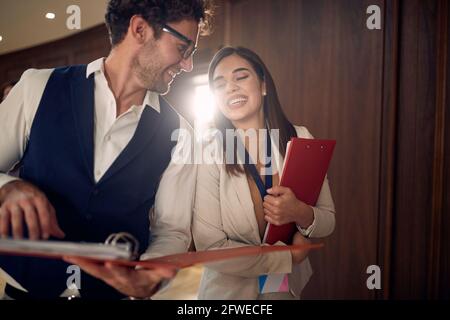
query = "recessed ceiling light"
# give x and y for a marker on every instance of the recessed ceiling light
(50, 15)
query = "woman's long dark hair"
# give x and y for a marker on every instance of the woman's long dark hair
(273, 113)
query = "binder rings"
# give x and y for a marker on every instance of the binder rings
(121, 249)
(306, 164)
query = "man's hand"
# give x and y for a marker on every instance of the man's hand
(22, 202)
(299, 255)
(140, 283)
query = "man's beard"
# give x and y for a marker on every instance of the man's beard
(147, 67)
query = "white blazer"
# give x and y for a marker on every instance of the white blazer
(224, 217)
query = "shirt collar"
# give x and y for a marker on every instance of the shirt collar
(151, 98)
(95, 66)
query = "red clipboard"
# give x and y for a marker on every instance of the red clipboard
(306, 165)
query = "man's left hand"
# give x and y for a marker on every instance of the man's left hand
(137, 283)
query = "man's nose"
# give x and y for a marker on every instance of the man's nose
(187, 64)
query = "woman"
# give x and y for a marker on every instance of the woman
(231, 210)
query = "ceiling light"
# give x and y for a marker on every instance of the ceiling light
(50, 15)
(1, 38)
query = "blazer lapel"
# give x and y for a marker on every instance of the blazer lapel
(242, 191)
(245, 206)
(82, 100)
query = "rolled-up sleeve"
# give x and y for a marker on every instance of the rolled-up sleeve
(16, 117)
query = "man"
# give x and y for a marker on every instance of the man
(94, 142)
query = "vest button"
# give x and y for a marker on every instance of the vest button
(89, 217)
(95, 192)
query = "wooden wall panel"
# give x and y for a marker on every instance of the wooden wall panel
(444, 269)
(82, 47)
(388, 140)
(413, 238)
(439, 257)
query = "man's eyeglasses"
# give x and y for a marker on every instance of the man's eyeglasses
(190, 48)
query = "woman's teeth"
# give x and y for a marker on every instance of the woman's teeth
(236, 101)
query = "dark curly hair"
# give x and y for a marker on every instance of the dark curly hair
(156, 13)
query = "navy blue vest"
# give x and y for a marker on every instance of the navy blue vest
(59, 159)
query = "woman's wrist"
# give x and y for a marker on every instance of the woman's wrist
(305, 215)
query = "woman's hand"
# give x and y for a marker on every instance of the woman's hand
(299, 255)
(282, 207)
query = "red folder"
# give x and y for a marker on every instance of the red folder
(306, 164)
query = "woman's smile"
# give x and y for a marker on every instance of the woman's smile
(237, 101)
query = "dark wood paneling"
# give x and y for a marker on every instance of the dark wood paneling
(82, 47)
(412, 236)
(51, 62)
(388, 142)
(437, 214)
(444, 271)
